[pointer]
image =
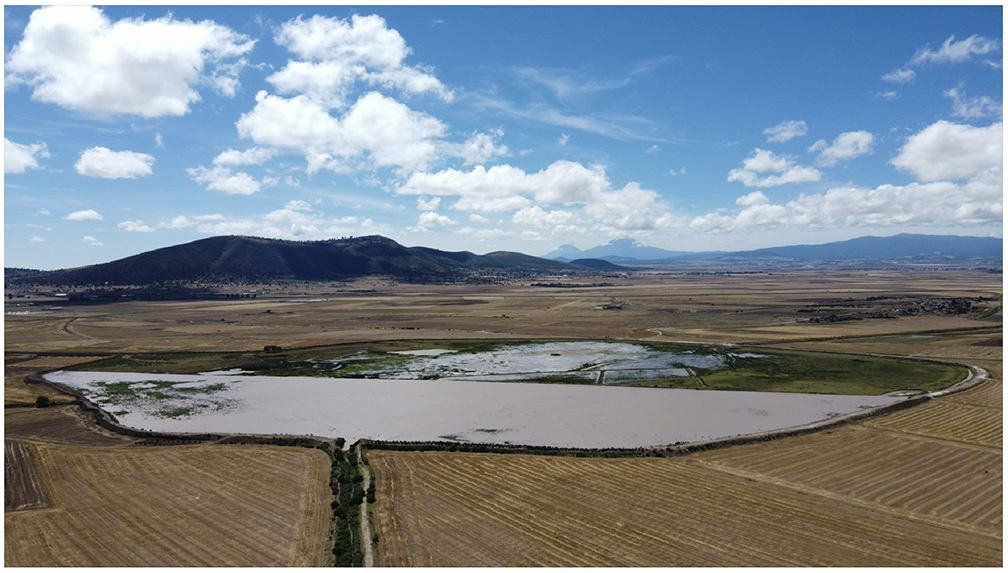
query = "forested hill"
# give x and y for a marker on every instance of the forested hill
(250, 259)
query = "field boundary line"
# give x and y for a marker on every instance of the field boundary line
(929, 438)
(796, 486)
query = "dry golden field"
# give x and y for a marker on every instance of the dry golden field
(745, 308)
(918, 488)
(906, 489)
(177, 506)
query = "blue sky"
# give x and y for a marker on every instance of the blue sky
(497, 128)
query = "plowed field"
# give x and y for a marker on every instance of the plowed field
(922, 487)
(22, 489)
(180, 506)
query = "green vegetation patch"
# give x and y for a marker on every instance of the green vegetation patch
(826, 373)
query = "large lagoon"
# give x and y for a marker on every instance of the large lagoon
(588, 416)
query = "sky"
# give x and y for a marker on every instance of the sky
(486, 128)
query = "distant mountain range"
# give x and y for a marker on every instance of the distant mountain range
(903, 248)
(251, 259)
(620, 251)
(258, 260)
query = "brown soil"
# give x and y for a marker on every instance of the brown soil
(22, 489)
(61, 425)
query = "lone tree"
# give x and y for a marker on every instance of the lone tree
(42, 402)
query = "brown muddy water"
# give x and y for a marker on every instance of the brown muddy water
(494, 412)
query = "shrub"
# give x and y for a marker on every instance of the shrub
(42, 402)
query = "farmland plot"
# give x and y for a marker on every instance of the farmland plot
(450, 509)
(22, 489)
(180, 506)
(943, 482)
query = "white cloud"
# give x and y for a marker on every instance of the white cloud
(89, 215)
(481, 147)
(158, 140)
(972, 108)
(75, 57)
(135, 227)
(535, 216)
(504, 188)
(887, 95)
(952, 52)
(376, 132)
(19, 157)
(297, 220)
(563, 140)
(254, 156)
(107, 164)
(845, 147)
(946, 151)
(430, 219)
(298, 205)
(36, 240)
(754, 198)
(652, 150)
(92, 241)
(938, 204)
(222, 179)
(340, 53)
(477, 218)
(180, 222)
(900, 76)
(785, 131)
(482, 234)
(763, 161)
(424, 205)
(43, 212)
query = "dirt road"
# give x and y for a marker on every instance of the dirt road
(365, 526)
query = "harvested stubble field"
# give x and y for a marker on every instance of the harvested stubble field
(178, 506)
(915, 488)
(702, 510)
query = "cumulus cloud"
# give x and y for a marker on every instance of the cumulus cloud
(937, 204)
(377, 131)
(972, 107)
(481, 147)
(254, 156)
(482, 234)
(430, 219)
(36, 240)
(764, 161)
(845, 147)
(297, 220)
(92, 241)
(785, 131)
(504, 188)
(107, 164)
(20, 157)
(959, 173)
(76, 57)
(946, 151)
(335, 54)
(535, 216)
(222, 179)
(88, 215)
(423, 204)
(135, 227)
(952, 52)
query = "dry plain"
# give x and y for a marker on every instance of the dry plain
(720, 507)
